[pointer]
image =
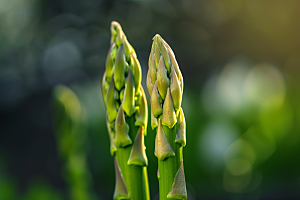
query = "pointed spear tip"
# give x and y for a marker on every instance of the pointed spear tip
(128, 102)
(122, 138)
(121, 111)
(155, 101)
(163, 148)
(181, 165)
(121, 191)
(181, 132)
(115, 23)
(163, 81)
(156, 36)
(138, 153)
(154, 122)
(119, 69)
(178, 190)
(142, 117)
(169, 115)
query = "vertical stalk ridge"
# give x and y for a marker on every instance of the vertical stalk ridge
(165, 85)
(127, 117)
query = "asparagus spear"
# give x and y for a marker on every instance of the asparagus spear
(165, 85)
(127, 117)
(71, 133)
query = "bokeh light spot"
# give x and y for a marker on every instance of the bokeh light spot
(214, 141)
(240, 149)
(265, 86)
(239, 166)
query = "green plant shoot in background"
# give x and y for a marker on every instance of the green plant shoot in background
(165, 85)
(70, 128)
(127, 116)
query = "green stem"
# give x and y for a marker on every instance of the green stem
(146, 184)
(169, 167)
(135, 176)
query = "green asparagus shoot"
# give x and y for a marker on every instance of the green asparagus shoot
(165, 85)
(127, 117)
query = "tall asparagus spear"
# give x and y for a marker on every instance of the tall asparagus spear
(165, 85)
(127, 117)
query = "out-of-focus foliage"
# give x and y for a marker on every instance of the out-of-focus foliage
(241, 64)
(40, 190)
(7, 189)
(71, 134)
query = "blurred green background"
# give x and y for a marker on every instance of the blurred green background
(240, 60)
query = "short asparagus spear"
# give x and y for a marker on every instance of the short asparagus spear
(165, 85)
(127, 117)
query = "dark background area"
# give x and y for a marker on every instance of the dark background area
(240, 60)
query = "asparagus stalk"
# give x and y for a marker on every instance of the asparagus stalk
(71, 133)
(165, 85)
(127, 117)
